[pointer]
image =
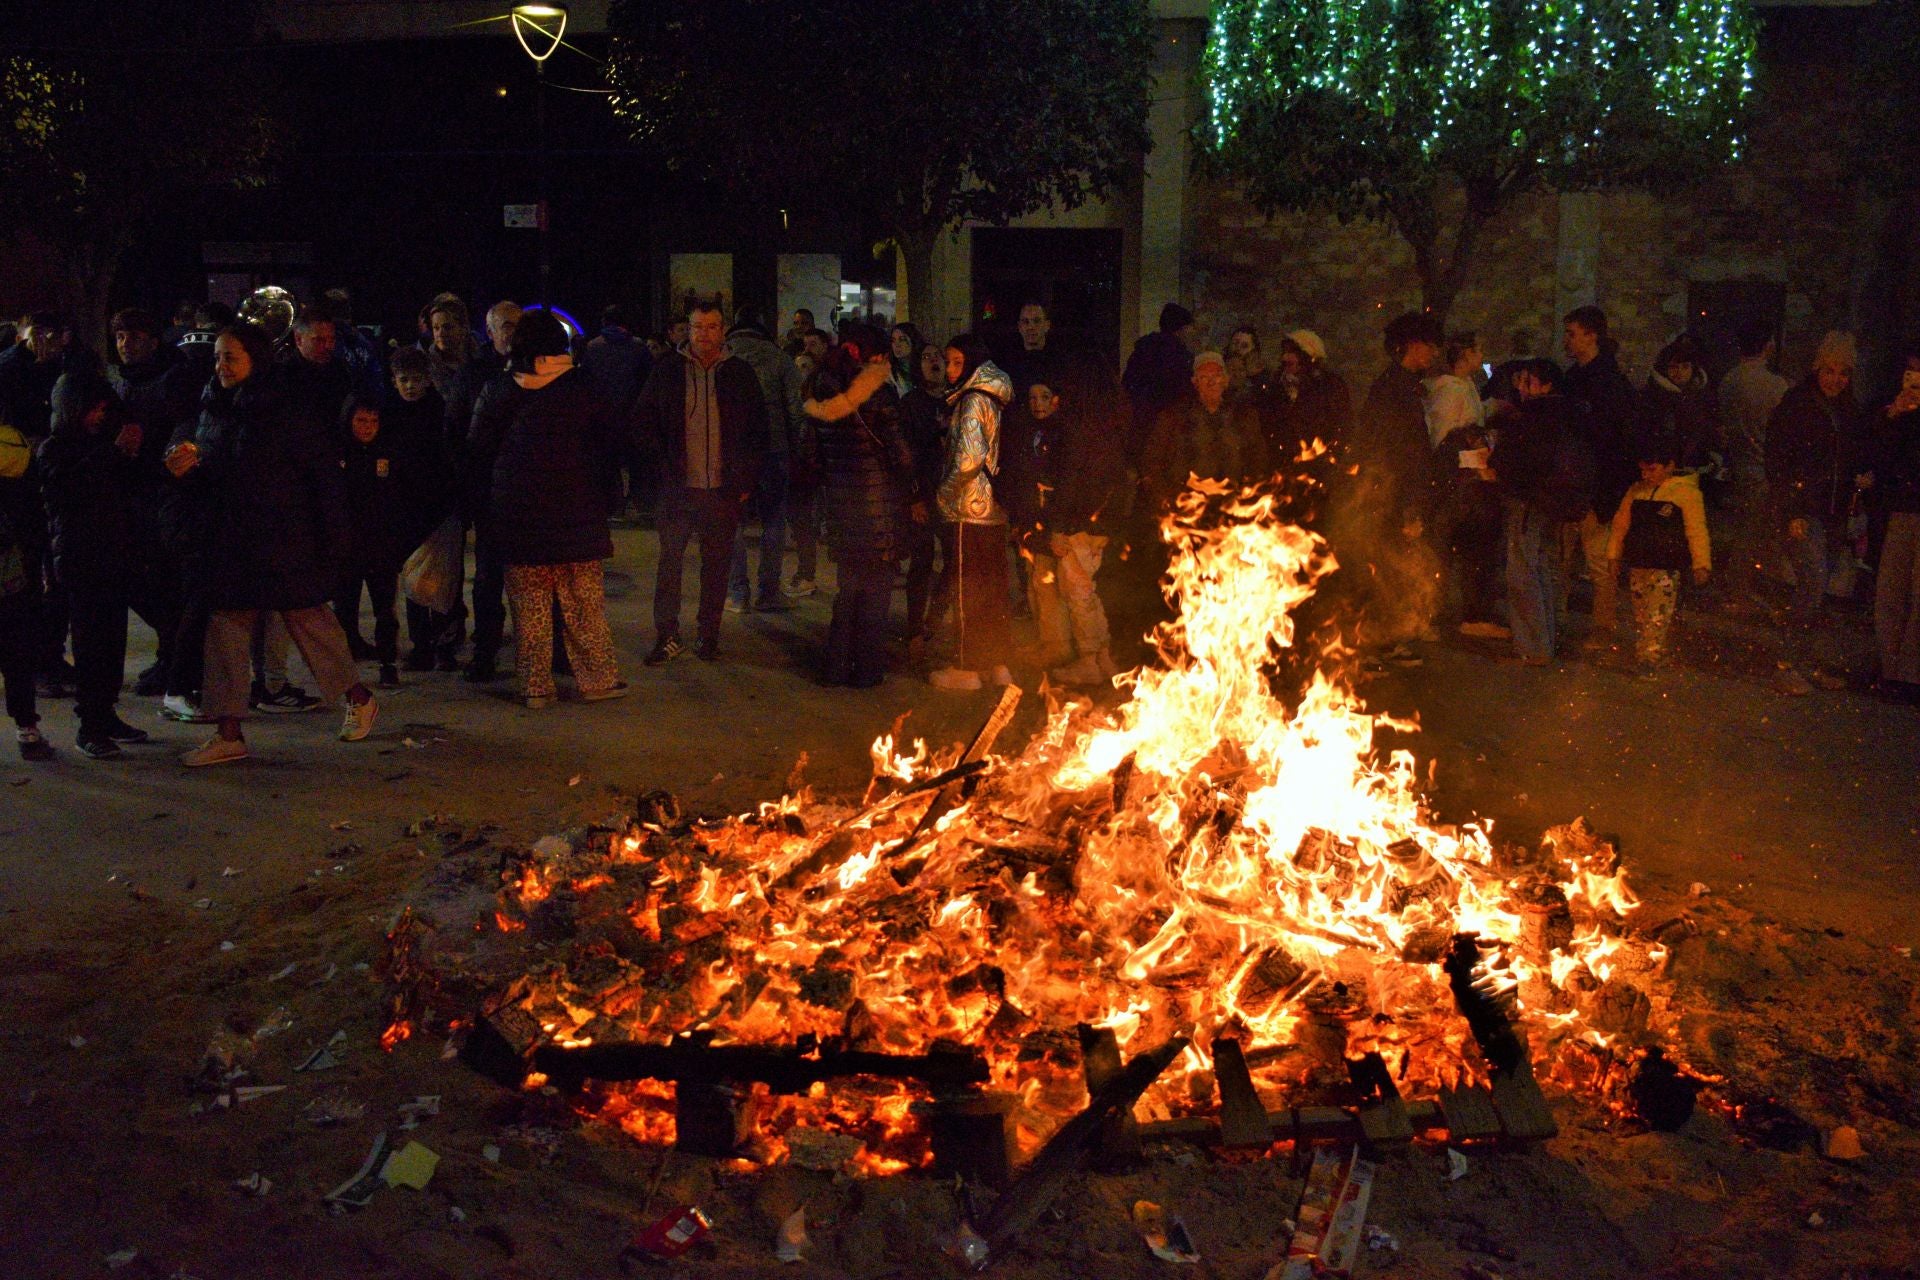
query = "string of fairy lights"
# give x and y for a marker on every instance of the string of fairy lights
(1439, 73)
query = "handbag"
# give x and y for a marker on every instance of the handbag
(434, 573)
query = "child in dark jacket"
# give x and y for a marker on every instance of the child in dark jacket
(415, 412)
(22, 536)
(391, 505)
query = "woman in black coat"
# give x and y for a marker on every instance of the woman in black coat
(275, 531)
(869, 494)
(554, 447)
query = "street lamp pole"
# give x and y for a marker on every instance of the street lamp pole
(539, 28)
(540, 145)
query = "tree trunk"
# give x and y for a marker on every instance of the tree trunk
(1443, 270)
(916, 251)
(93, 267)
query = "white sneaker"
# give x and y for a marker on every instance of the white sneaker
(179, 707)
(215, 750)
(954, 680)
(1083, 671)
(359, 720)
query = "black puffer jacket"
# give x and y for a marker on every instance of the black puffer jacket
(1896, 464)
(92, 489)
(272, 507)
(1814, 446)
(867, 474)
(554, 449)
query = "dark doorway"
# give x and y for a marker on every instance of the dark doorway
(1075, 273)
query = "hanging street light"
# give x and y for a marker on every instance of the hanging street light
(539, 29)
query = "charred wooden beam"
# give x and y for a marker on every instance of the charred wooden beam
(502, 1044)
(784, 1069)
(1119, 1142)
(1071, 1149)
(1469, 1114)
(1243, 1120)
(972, 1136)
(712, 1119)
(1383, 1116)
(1524, 1114)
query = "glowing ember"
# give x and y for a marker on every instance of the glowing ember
(1200, 860)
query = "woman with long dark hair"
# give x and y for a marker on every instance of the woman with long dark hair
(270, 498)
(923, 424)
(973, 523)
(907, 344)
(867, 481)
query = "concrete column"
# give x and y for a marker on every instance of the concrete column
(1163, 188)
(1577, 256)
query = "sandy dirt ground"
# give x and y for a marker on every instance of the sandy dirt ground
(150, 913)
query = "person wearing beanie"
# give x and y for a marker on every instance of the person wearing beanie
(1310, 401)
(780, 391)
(555, 447)
(1815, 451)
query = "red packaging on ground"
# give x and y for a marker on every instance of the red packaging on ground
(672, 1235)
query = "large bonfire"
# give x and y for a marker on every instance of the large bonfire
(1204, 858)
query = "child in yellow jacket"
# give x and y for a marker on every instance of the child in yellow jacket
(1659, 532)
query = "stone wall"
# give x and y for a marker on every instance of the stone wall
(1785, 213)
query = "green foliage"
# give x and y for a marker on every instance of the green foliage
(114, 109)
(1366, 108)
(917, 113)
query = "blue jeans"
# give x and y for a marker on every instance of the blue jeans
(1533, 579)
(1808, 556)
(770, 498)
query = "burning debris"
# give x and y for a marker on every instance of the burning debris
(1214, 865)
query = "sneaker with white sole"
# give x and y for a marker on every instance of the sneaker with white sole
(289, 699)
(359, 720)
(955, 680)
(215, 750)
(178, 707)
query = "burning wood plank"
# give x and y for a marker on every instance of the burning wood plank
(784, 1069)
(1523, 1111)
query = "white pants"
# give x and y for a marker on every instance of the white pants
(1066, 605)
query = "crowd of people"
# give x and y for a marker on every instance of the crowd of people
(247, 489)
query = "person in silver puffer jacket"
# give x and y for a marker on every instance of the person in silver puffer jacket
(973, 446)
(973, 523)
